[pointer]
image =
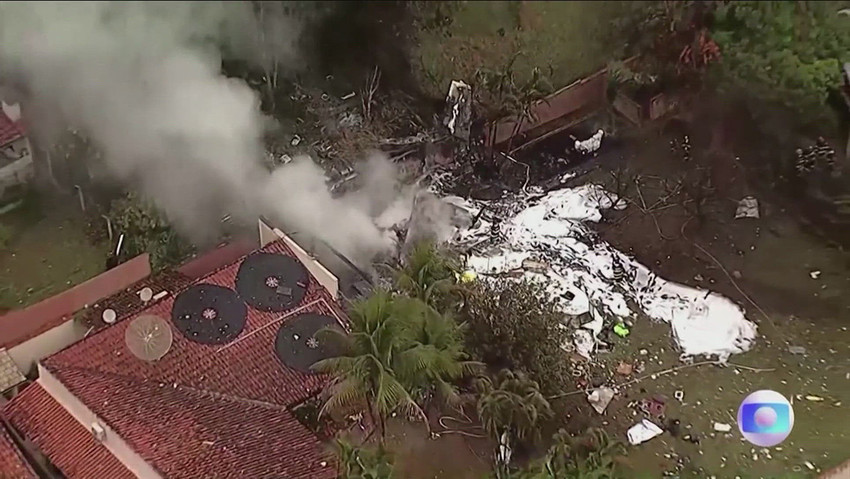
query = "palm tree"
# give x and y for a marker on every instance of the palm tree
(398, 348)
(434, 359)
(364, 374)
(511, 409)
(428, 274)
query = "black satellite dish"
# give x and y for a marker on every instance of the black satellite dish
(209, 314)
(272, 282)
(298, 345)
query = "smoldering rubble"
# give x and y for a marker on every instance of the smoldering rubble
(142, 80)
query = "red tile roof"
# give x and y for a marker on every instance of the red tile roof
(9, 130)
(127, 301)
(237, 395)
(212, 260)
(12, 462)
(68, 444)
(188, 433)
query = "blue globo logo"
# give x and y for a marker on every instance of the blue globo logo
(765, 418)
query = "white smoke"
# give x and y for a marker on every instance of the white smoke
(142, 80)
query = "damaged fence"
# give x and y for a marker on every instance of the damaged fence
(561, 110)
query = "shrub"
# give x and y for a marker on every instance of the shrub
(513, 325)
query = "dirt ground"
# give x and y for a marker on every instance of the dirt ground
(791, 283)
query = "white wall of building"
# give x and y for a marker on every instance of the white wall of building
(111, 440)
(322, 274)
(28, 353)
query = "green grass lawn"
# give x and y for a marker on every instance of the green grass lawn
(48, 253)
(573, 38)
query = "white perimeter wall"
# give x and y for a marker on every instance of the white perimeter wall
(112, 441)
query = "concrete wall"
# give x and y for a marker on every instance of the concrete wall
(22, 325)
(16, 166)
(27, 354)
(47, 327)
(112, 441)
(322, 274)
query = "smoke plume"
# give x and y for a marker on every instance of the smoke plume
(142, 80)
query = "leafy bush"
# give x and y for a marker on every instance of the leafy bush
(590, 456)
(358, 462)
(783, 54)
(429, 275)
(513, 404)
(146, 230)
(513, 325)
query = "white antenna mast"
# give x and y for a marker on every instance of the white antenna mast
(120, 243)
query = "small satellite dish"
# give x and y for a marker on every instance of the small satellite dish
(148, 337)
(146, 294)
(108, 316)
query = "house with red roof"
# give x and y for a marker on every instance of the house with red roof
(198, 382)
(16, 165)
(13, 464)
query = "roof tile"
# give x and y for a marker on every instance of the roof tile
(68, 444)
(237, 395)
(10, 375)
(127, 301)
(9, 130)
(187, 433)
(12, 462)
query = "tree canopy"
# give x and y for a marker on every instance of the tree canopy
(145, 229)
(399, 350)
(513, 325)
(783, 53)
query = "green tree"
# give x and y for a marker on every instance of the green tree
(512, 404)
(434, 359)
(428, 274)
(500, 94)
(514, 325)
(398, 349)
(358, 462)
(511, 411)
(785, 54)
(146, 230)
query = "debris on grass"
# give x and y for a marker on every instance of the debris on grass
(796, 350)
(600, 397)
(459, 104)
(624, 368)
(590, 145)
(747, 208)
(722, 427)
(581, 277)
(642, 432)
(621, 330)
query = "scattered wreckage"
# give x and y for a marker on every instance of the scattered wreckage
(545, 237)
